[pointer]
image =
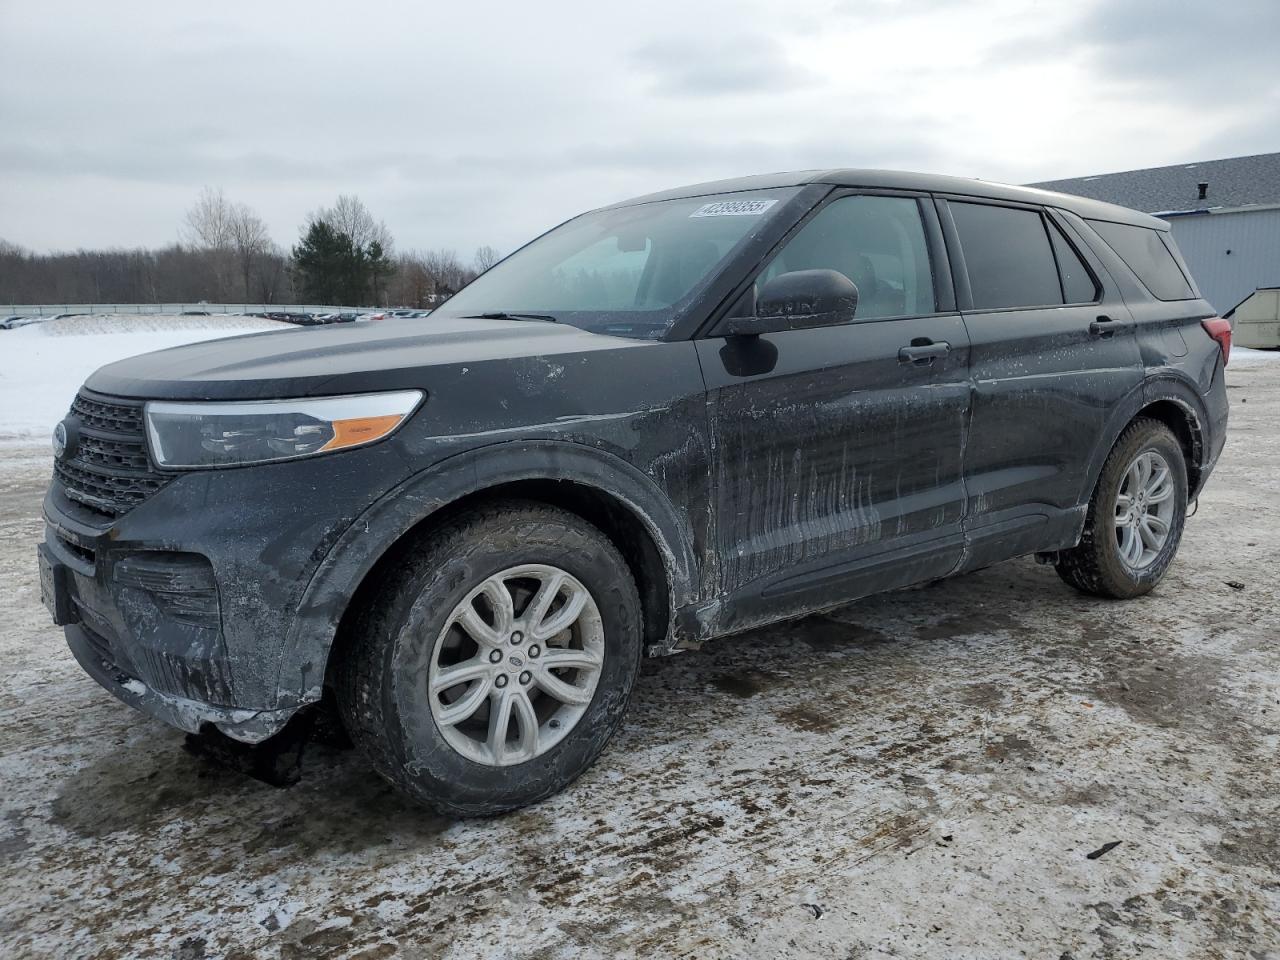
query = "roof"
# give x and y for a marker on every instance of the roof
(901, 180)
(1235, 182)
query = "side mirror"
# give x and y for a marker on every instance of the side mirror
(799, 300)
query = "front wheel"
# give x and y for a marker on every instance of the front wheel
(492, 668)
(1135, 518)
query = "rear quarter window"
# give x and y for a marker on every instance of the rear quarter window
(1078, 284)
(1147, 254)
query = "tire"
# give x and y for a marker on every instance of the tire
(1098, 565)
(411, 631)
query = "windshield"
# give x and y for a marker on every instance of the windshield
(626, 271)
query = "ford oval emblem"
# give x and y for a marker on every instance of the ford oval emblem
(60, 440)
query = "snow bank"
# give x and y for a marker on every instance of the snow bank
(206, 328)
(43, 365)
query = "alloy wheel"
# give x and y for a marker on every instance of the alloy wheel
(1144, 510)
(516, 664)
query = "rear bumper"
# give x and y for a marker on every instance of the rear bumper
(1217, 406)
(93, 653)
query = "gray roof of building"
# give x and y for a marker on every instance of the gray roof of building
(901, 180)
(1235, 182)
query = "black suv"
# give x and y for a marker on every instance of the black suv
(663, 421)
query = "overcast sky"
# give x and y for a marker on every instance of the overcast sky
(471, 122)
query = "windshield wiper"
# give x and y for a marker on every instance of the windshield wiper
(546, 317)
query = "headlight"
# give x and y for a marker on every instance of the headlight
(229, 434)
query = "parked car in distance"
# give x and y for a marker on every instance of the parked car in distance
(664, 421)
(300, 319)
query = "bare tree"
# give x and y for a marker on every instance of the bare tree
(447, 273)
(250, 241)
(486, 257)
(351, 218)
(412, 285)
(233, 238)
(174, 274)
(207, 225)
(272, 272)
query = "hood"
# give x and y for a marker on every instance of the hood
(356, 357)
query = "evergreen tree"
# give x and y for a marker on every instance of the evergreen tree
(321, 263)
(380, 268)
(334, 267)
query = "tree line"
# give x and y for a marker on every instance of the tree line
(225, 254)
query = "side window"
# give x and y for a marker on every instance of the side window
(1078, 284)
(878, 243)
(1008, 255)
(1147, 255)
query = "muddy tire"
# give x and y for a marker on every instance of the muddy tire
(492, 667)
(1135, 518)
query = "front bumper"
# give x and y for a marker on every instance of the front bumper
(186, 607)
(248, 726)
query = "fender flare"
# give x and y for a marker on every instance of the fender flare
(355, 553)
(1167, 387)
(1180, 390)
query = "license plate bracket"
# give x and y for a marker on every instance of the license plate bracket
(54, 591)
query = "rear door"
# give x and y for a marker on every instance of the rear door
(837, 450)
(1052, 354)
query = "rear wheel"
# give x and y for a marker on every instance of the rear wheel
(1135, 518)
(492, 668)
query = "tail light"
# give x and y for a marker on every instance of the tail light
(1220, 330)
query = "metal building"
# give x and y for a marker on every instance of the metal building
(1225, 215)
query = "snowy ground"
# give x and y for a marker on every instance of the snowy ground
(924, 774)
(1248, 357)
(42, 365)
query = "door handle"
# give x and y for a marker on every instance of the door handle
(1104, 326)
(923, 351)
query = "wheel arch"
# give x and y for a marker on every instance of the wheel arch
(1173, 402)
(1187, 427)
(601, 488)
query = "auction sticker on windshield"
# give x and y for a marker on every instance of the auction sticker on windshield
(733, 208)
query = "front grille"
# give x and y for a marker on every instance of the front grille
(109, 472)
(112, 416)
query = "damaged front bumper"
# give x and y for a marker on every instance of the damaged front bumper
(186, 605)
(248, 726)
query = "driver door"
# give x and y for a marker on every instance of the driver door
(838, 450)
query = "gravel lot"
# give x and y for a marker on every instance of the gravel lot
(923, 774)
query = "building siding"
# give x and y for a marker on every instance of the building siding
(1224, 279)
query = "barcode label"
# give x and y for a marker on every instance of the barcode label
(733, 208)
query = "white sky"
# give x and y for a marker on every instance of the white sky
(474, 122)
